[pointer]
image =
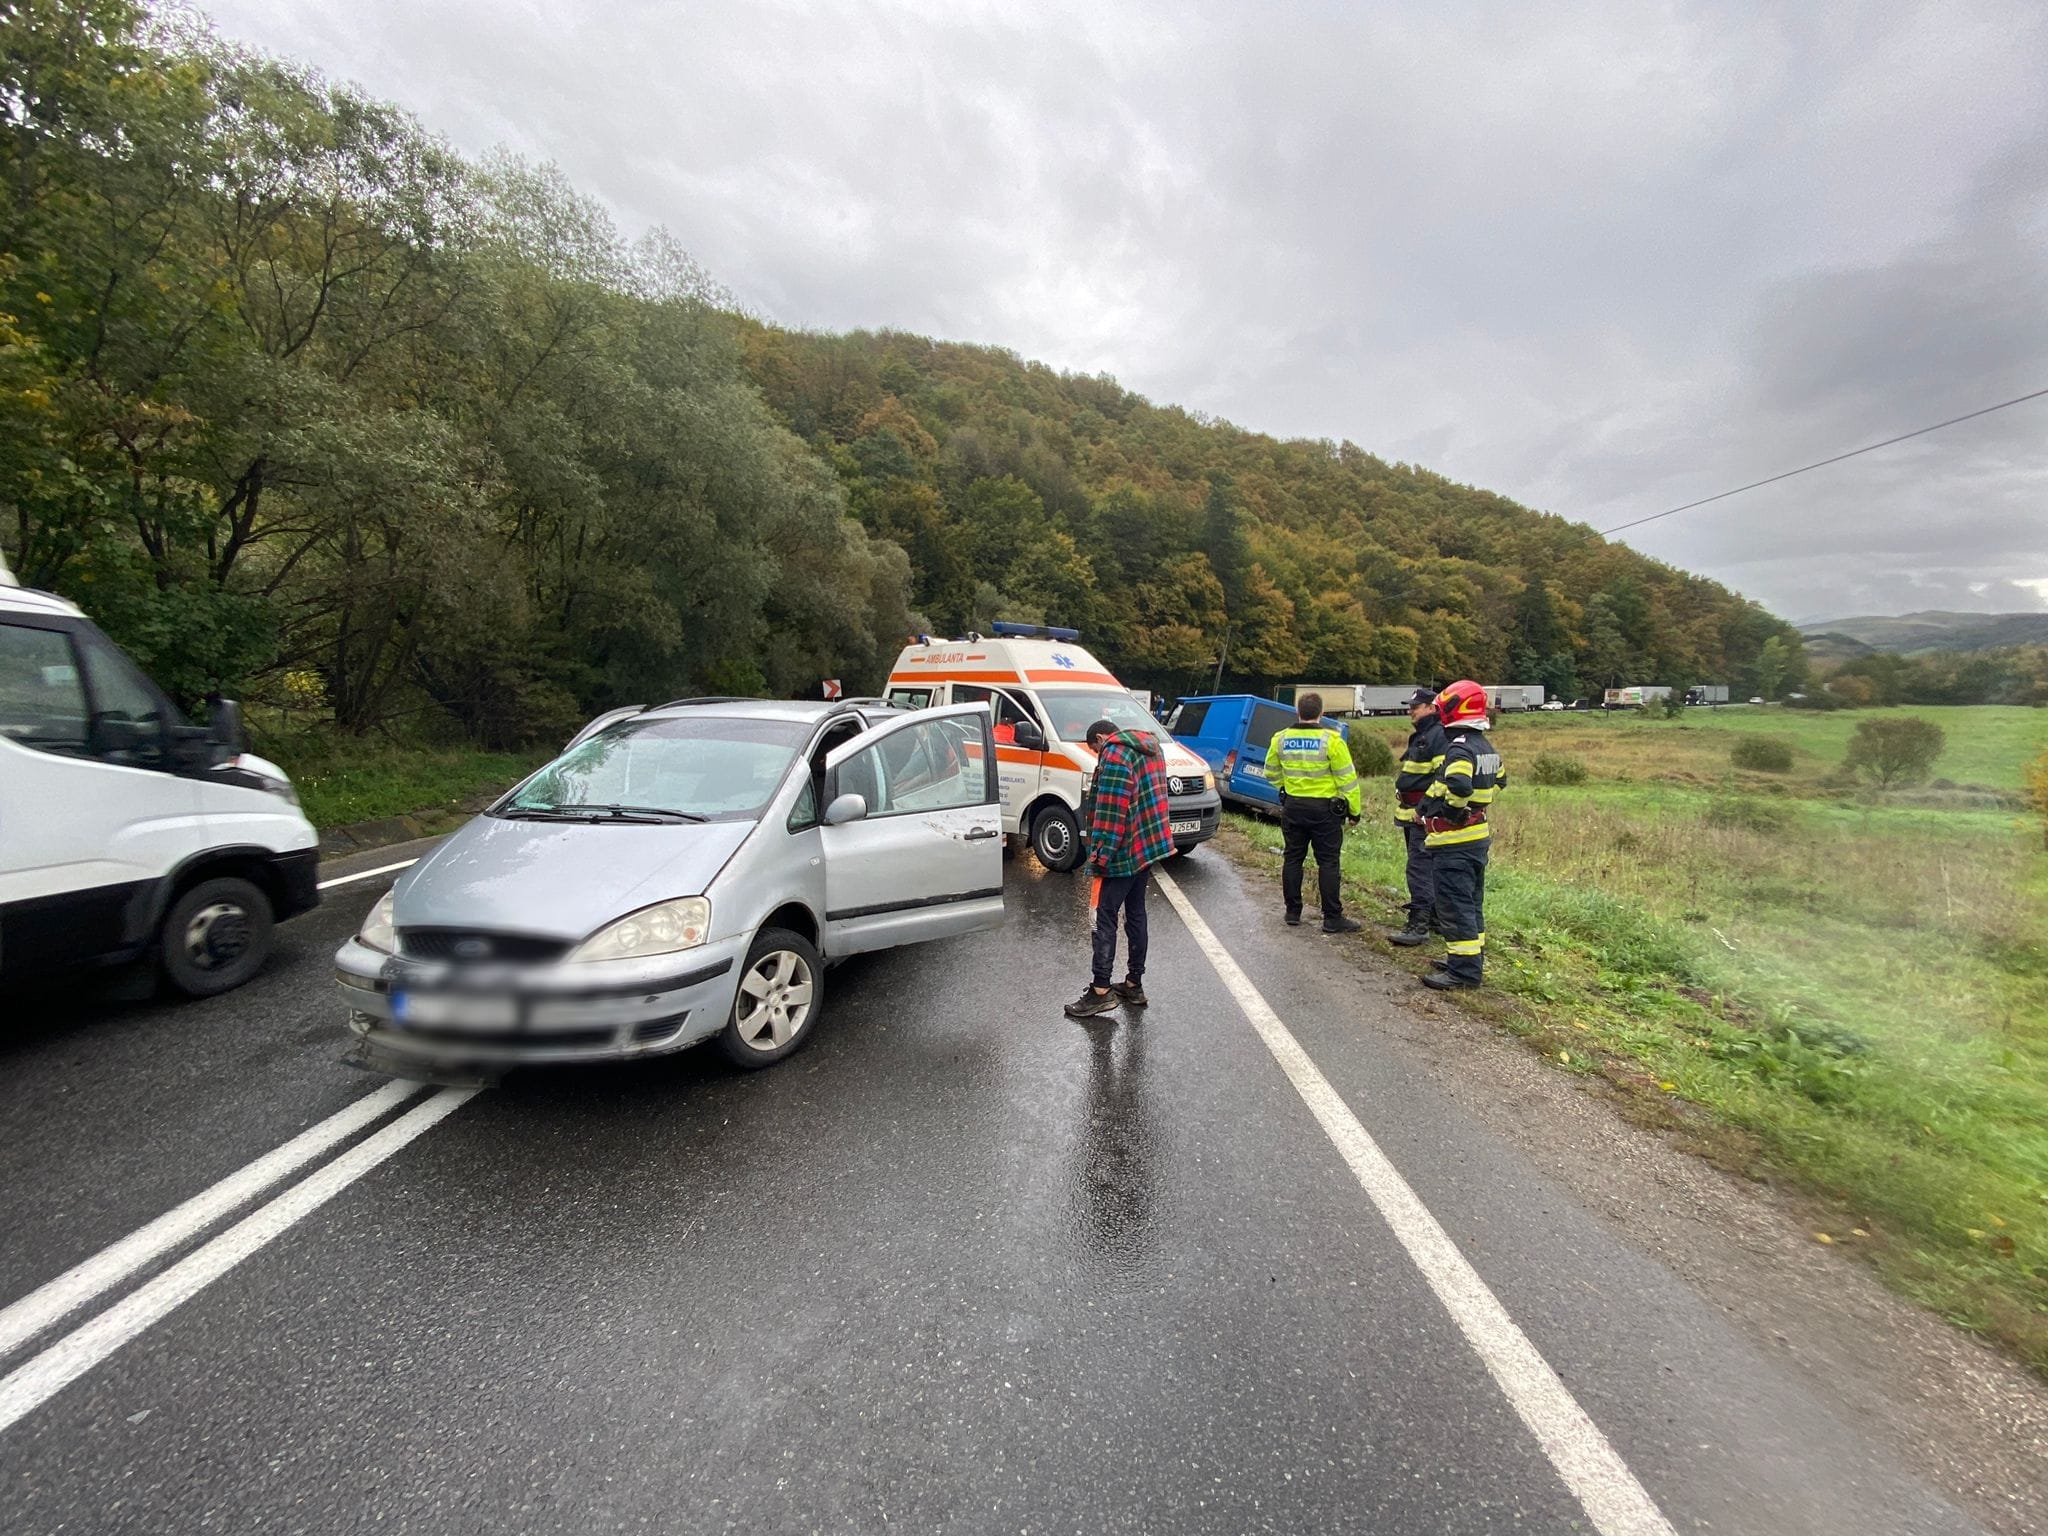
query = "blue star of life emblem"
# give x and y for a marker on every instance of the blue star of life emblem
(1063, 661)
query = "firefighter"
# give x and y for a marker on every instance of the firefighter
(1419, 763)
(1454, 816)
(1310, 764)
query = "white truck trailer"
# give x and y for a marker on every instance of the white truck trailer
(1636, 696)
(1707, 693)
(1504, 697)
(1356, 698)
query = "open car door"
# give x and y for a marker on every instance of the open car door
(913, 833)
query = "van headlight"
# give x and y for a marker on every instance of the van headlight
(377, 932)
(661, 929)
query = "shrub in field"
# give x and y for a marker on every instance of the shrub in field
(1895, 751)
(1749, 813)
(1672, 705)
(1761, 754)
(1370, 753)
(1556, 768)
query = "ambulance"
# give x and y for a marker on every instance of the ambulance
(1044, 691)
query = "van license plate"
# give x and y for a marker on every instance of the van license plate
(453, 1010)
(1179, 827)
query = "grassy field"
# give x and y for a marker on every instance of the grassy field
(342, 781)
(1845, 993)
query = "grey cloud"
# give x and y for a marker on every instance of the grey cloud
(1601, 257)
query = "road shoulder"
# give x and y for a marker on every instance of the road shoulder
(1957, 1412)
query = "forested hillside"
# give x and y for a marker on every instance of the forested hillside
(1022, 492)
(300, 404)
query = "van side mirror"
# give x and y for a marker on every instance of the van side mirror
(848, 807)
(1029, 735)
(224, 726)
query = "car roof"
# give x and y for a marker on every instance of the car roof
(28, 600)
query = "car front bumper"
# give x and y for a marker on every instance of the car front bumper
(1194, 818)
(442, 1017)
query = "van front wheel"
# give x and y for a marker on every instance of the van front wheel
(1056, 838)
(215, 937)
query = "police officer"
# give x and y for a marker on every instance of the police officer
(1456, 833)
(1310, 764)
(1419, 763)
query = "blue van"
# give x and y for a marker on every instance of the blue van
(1230, 732)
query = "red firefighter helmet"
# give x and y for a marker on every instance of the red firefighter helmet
(1461, 703)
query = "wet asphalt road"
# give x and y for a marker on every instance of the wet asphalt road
(962, 1265)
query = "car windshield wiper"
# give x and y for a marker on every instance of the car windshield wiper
(626, 812)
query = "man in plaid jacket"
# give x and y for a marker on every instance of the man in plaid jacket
(1127, 835)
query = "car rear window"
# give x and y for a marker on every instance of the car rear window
(1266, 719)
(1186, 720)
(720, 769)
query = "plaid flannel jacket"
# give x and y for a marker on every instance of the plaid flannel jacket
(1127, 829)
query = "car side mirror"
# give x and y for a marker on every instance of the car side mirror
(848, 807)
(224, 726)
(1029, 736)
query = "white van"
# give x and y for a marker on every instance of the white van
(1045, 691)
(125, 833)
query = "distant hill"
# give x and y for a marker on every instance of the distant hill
(1910, 633)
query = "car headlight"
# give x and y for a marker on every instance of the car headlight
(377, 932)
(661, 929)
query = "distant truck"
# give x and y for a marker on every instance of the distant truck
(1634, 697)
(1504, 697)
(1707, 693)
(1355, 698)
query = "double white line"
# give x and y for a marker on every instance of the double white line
(63, 1362)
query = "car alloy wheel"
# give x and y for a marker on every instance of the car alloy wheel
(774, 1000)
(777, 1000)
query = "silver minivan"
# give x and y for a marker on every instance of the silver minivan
(681, 874)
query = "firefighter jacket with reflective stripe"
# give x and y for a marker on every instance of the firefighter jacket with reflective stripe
(1420, 760)
(1455, 805)
(1313, 762)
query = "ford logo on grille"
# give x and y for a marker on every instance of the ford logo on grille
(472, 949)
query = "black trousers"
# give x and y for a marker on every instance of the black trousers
(1421, 875)
(1125, 894)
(1461, 906)
(1317, 824)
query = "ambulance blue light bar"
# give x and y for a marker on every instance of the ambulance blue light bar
(1008, 631)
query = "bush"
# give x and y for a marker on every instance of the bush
(1761, 754)
(1749, 813)
(1370, 754)
(1556, 768)
(1672, 705)
(1895, 751)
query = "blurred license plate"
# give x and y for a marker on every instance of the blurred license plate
(1186, 826)
(454, 1010)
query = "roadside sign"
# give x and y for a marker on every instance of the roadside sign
(831, 688)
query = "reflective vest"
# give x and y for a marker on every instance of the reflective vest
(1418, 765)
(1454, 807)
(1313, 762)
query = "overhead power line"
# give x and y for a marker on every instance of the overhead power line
(1823, 463)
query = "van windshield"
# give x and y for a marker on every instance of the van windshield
(699, 768)
(1073, 710)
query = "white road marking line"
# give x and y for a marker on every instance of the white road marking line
(85, 1347)
(368, 874)
(24, 1319)
(1598, 1478)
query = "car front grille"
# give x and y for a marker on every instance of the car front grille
(1193, 784)
(471, 945)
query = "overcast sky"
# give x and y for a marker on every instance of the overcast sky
(1604, 258)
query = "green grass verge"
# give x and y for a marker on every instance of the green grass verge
(340, 782)
(1854, 999)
